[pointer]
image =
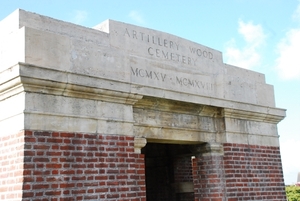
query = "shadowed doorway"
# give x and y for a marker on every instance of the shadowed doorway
(169, 174)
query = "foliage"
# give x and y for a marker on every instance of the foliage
(293, 193)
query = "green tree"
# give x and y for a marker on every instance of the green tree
(293, 193)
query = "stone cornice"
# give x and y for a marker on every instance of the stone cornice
(41, 80)
(31, 78)
(264, 116)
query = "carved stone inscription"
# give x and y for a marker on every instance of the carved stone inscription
(173, 80)
(168, 49)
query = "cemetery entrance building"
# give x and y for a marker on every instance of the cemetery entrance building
(121, 112)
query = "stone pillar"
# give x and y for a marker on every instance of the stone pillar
(208, 173)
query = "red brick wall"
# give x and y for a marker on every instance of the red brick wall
(253, 173)
(183, 169)
(183, 173)
(11, 166)
(75, 166)
(208, 174)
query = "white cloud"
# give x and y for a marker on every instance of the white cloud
(247, 56)
(288, 61)
(80, 16)
(290, 161)
(136, 16)
(296, 15)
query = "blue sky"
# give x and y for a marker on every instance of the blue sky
(261, 35)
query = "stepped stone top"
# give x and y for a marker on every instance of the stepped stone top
(120, 58)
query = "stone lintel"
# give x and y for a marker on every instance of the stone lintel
(174, 106)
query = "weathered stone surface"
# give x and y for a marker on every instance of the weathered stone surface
(100, 80)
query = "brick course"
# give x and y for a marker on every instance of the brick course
(208, 174)
(76, 166)
(253, 172)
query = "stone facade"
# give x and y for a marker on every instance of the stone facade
(121, 112)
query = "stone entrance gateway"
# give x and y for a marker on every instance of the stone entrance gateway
(121, 112)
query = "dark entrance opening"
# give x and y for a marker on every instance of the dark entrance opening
(169, 175)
